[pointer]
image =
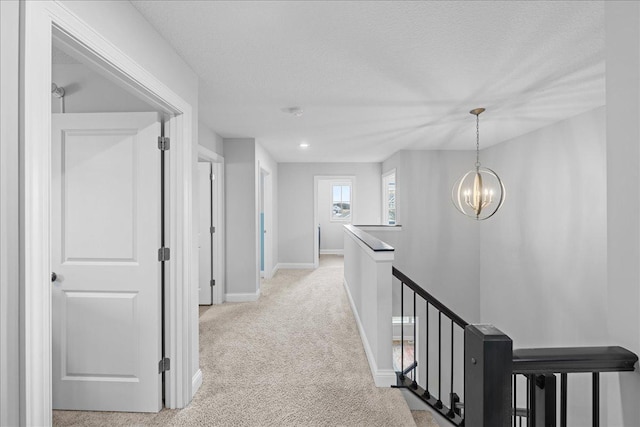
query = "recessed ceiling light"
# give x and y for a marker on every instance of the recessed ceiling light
(294, 111)
(304, 145)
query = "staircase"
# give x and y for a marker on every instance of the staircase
(472, 376)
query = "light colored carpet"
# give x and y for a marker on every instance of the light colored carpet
(293, 358)
(423, 419)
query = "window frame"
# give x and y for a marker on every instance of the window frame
(341, 183)
(385, 199)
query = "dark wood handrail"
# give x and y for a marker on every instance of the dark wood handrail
(430, 298)
(568, 360)
(375, 244)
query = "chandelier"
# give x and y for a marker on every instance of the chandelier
(480, 192)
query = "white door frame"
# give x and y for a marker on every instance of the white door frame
(316, 180)
(266, 193)
(39, 21)
(217, 166)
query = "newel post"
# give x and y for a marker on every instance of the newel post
(487, 384)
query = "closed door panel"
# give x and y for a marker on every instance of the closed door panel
(205, 293)
(105, 222)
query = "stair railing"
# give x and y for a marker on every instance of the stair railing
(407, 375)
(490, 369)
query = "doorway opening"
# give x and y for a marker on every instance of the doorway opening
(265, 222)
(210, 195)
(46, 22)
(108, 243)
(334, 205)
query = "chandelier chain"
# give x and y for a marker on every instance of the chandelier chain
(477, 141)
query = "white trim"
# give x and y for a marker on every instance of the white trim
(263, 169)
(384, 193)
(331, 251)
(381, 377)
(196, 382)
(39, 20)
(275, 269)
(296, 266)
(243, 297)
(390, 228)
(316, 180)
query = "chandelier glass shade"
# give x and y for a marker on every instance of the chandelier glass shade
(480, 192)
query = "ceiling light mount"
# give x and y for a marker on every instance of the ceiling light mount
(294, 111)
(480, 192)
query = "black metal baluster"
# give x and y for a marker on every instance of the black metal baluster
(532, 400)
(596, 399)
(415, 384)
(426, 393)
(563, 400)
(439, 402)
(515, 399)
(402, 329)
(528, 400)
(451, 413)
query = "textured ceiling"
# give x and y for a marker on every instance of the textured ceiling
(377, 77)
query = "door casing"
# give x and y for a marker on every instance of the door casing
(41, 22)
(217, 167)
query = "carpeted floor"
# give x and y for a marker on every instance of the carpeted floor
(293, 358)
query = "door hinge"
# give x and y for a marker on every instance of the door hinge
(164, 254)
(163, 143)
(165, 365)
(212, 230)
(211, 177)
(212, 282)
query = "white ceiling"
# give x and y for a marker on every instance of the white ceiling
(377, 77)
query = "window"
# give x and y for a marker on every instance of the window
(389, 211)
(341, 202)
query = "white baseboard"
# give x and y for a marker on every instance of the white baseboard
(296, 266)
(196, 382)
(243, 297)
(275, 269)
(331, 251)
(382, 377)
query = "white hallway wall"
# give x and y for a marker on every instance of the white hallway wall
(622, 21)
(545, 251)
(295, 200)
(209, 139)
(9, 214)
(543, 257)
(243, 157)
(240, 211)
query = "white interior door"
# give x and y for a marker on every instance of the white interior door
(105, 222)
(205, 243)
